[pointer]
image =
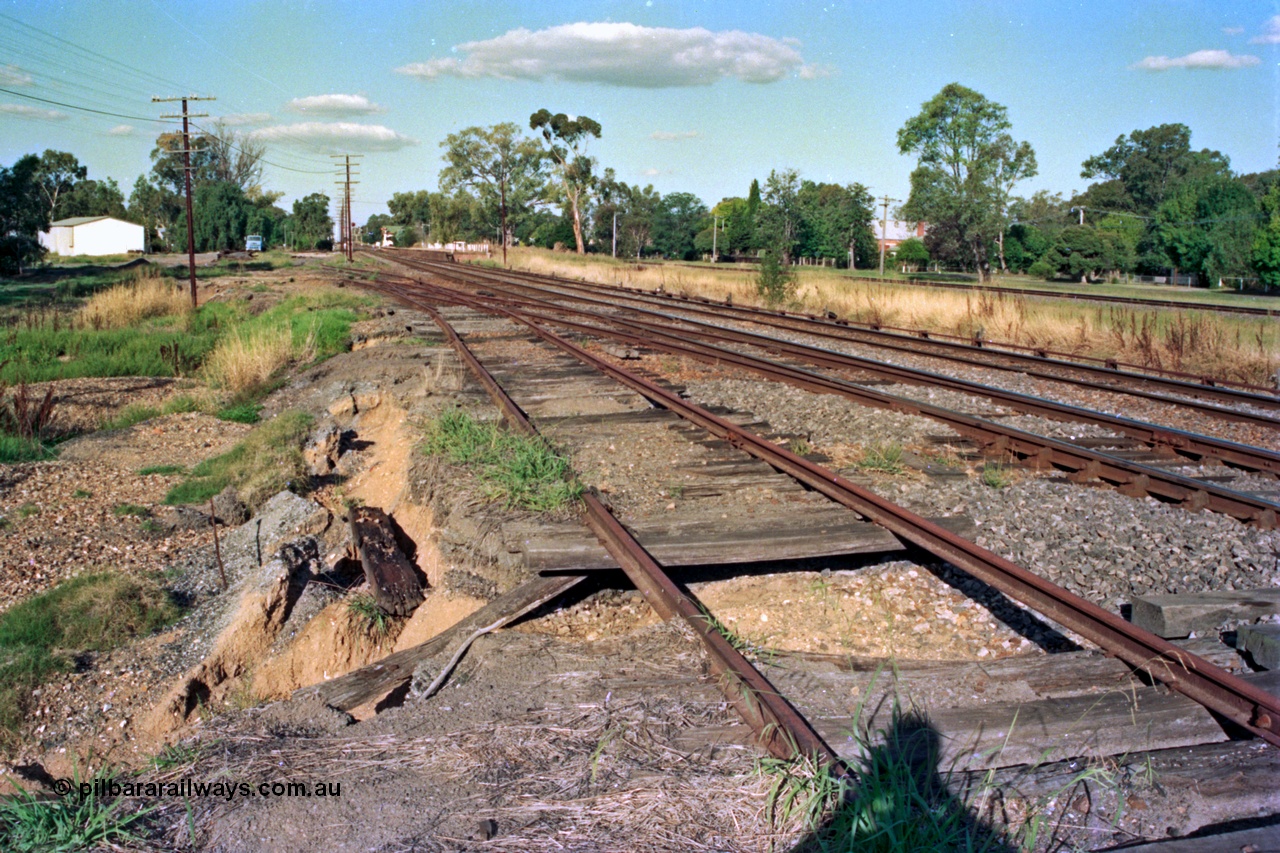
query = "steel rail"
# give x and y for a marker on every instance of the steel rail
(1108, 379)
(1131, 478)
(1182, 442)
(1221, 692)
(1109, 370)
(778, 726)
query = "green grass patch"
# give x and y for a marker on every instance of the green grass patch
(241, 413)
(996, 476)
(27, 510)
(518, 470)
(31, 822)
(90, 613)
(82, 493)
(882, 457)
(268, 460)
(366, 610)
(164, 470)
(122, 510)
(14, 448)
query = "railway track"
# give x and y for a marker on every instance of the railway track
(1097, 374)
(997, 439)
(1230, 696)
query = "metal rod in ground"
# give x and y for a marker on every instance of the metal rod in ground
(217, 548)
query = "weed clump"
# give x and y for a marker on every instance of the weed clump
(149, 294)
(89, 613)
(267, 461)
(517, 470)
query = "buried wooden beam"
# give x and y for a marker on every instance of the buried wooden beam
(392, 578)
(376, 680)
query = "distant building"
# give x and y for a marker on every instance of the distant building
(895, 231)
(93, 235)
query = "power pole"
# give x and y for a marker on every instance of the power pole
(345, 232)
(615, 233)
(715, 223)
(884, 229)
(186, 179)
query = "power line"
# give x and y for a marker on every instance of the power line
(81, 109)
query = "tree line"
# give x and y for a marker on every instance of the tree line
(1155, 205)
(542, 188)
(229, 199)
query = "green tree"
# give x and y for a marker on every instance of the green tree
(153, 207)
(913, 253)
(94, 198)
(1081, 252)
(24, 213)
(501, 165)
(59, 172)
(1266, 242)
(776, 281)
(566, 141)
(221, 213)
(967, 162)
(411, 208)
(836, 221)
(1150, 164)
(676, 225)
(779, 220)
(310, 225)
(372, 230)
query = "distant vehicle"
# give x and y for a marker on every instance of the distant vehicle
(253, 243)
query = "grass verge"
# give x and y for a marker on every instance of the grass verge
(267, 461)
(30, 822)
(90, 613)
(520, 471)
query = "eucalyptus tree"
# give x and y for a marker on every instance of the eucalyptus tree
(501, 165)
(967, 166)
(566, 139)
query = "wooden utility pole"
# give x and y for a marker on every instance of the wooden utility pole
(884, 229)
(347, 226)
(186, 179)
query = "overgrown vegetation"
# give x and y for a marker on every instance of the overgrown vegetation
(267, 461)
(996, 476)
(40, 824)
(1236, 348)
(23, 422)
(515, 469)
(41, 635)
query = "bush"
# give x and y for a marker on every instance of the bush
(776, 281)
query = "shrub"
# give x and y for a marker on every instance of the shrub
(776, 282)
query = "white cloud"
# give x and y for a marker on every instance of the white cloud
(1201, 59)
(242, 119)
(122, 130)
(670, 136)
(344, 135)
(12, 75)
(622, 54)
(33, 112)
(1233, 31)
(1270, 32)
(335, 105)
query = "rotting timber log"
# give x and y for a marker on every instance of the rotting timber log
(392, 578)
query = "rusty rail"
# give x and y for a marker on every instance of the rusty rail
(778, 726)
(1131, 478)
(1227, 695)
(1108, 378)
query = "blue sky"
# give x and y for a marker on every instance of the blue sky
(699, 97)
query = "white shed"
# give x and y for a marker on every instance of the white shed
(93, 235)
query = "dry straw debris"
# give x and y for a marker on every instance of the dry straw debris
(146, 295)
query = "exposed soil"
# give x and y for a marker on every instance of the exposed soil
(578, 729)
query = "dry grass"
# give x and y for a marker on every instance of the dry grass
(146, 295)
(1226, 347)
(246, 360)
